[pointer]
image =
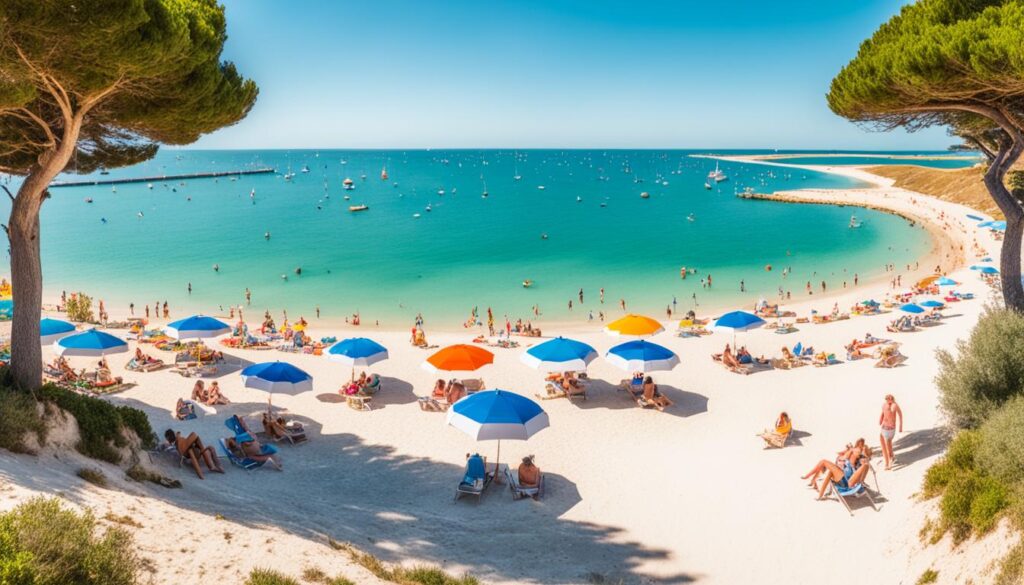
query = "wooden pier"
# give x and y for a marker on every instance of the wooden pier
(163, 178)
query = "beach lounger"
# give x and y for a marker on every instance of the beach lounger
(476, 479)
(243, 462)
(855, 491)
(891, 361)
(473, 385)
(519, 492)
(636, 392)
(242, 436)
(134, 366)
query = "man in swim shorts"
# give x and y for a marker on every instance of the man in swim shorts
(887, 421)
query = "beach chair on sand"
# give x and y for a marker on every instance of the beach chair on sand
(519, 492)
(476, 479)
(363, 399)
(636, 392)
(855, 491)
(473, 385)
(234, 423)
(243, 462)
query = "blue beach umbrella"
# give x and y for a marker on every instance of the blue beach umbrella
(89, 343)
(496, 415)
(642, 356)
(986, 259)
(999, 226)
(974, 217)
(932, 304)
(51, 330)
(357, 351)
(559, 355)
(196, 327)
(946, 281)
(870, 303)
(988, 270)
(280, 377)
(986, 223)
(912, 308)
(738, 321)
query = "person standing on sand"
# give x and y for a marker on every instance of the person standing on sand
(147, 311)
(131, 309)
(248, 296)
(891, 412)
(570, 305)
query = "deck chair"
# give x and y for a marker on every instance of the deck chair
(519, 492)
(855, 491)
(234, 423)
(476, 479)
(473, 385)
(243, 462)
(636, 392)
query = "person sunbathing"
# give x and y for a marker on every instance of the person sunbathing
(250, 450)
(852, 457)
(844, 477)
(278, 429)
(783, 427)
(652, 396)
(728, 359)
(853, 350)
(214, 396)
(788, 355)
(529, 474)
(456, 393)
(199, 393)
(192, 448)
(570, 383)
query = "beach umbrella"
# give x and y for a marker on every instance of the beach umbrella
(634, 326)
(642, 356)
(999, 226)
(974, 217)
(986, 259)
(945, 281)
(559, 355)
(89, 343)
(280, 377)
(988, 270)
(911, 308)
(496, 415)
(986, 223)
(928, 280)
(196, 327)
(51, 330)
(738, 321)
(357, 352)
(870, 303)
(932, 304)
(458, 358)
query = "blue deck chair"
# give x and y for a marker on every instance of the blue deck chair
(242, 436)
(243, 462)
(476, 479)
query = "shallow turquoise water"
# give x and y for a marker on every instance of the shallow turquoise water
(468, 251)
(940, 163)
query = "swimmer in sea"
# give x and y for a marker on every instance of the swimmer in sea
(266, 236)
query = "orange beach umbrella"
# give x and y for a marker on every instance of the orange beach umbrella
(928, 280)
(459, 358)
(634, 326)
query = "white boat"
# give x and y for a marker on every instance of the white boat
(348, 184)
(384, 174)
(88, 199)
(854, 222)
(717, 175)
(440, 192)
(305, 168)
(691, 217)
(645, 195)
(354, 208)
(579, 199)
(427, 208)
(415, 216)
(149, 185)
(541, 187)
(707, 185)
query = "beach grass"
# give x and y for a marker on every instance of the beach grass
(417, 575)
(93, 476)
(21, 418)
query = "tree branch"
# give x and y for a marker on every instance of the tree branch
(8, 191)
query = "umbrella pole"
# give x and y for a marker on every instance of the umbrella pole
(497, 461)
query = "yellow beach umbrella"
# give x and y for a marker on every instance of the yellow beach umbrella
(634, 326)
(928, 280)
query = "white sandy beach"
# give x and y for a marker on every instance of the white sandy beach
(633, 496)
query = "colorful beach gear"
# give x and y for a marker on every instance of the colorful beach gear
(559, 355)
(634, 326)
(458, 358)
(496, 415)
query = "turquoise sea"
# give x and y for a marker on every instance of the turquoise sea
(934, 161)
(587, 228)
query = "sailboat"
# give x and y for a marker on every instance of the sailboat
(349, 184)
(717, 175)
(384, 173)
(854, 222)
(485, 193)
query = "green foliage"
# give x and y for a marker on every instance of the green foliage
(990, 499)
(43, 543)
(988, 370)
(936, 478)
(419, 575)
(18, 418)
(79, 308)
(1001, 449)
(100, 423)
(269, 577)
(935, 54)
(929, 576)
(93, 476)
(1011, 568)
(148, 71)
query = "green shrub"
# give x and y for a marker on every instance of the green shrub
(42, 543)
(18, 418)
(100, 423)
(990, 499)
(937, 477)
(956, 504)
(79, 308)
(962, 452)
(268, 577)
(929, 576)
(1011, 568)
(93, 476)
(988, 370)
(1001, 449)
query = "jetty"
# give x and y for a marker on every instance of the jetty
(164, 178)
(809, 198)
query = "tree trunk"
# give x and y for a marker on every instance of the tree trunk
(26, 283)
(1009, 264)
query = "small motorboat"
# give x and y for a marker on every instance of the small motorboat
(691, 217)
(355, 208)
(440, 192)
(707, 185)
(645, 195)
(305, 168)
(579, 199)
(348, 184)
(88, 199)
(384, 174)
(427, 208)
(541, 187)
(527, 283)
(415, 216)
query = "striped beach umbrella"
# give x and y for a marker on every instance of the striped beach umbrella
(196, 327)
(89, 343)
(634, 326)
(458, 358)
(51, 330)
(642, 356)
(559, 355)
(738, 321)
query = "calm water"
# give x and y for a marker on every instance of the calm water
(940, 163)
(468, 250)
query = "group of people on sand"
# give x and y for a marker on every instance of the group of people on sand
(63, 372)
(364, 384)
(740, 359)
(649, 393)
(444, 395)
(211, 396)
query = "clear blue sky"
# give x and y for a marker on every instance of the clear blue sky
(550, 73)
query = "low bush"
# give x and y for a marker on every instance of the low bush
(1001, 448)
(93, 476)
(268, 577)
(1011, 568)
(419, 575)
(929, 576)
(18, 419)
(987, 370)
(79, 308)
(100, 423)
(43, 543)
